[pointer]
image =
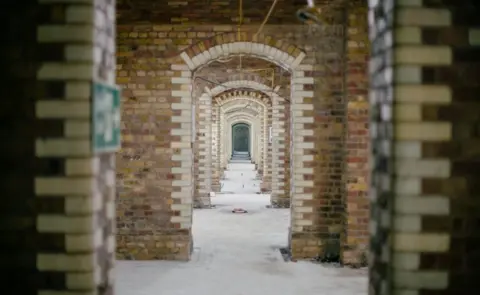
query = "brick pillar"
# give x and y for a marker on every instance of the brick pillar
(267, 170)
(204, 145)
(216, 148)
(357, 170)
(223, 143)
(278, 198)
(57, 197)
(426, 148)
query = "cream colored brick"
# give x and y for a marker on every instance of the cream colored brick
(423, 94)
(423, 242)
(78, 129)
(65, 33)
(61, 262)
(187, 60)
(84, 242)
(407, 223)
(61, 186)
(408, 185)
(79, 53)
(407, 74)
(408, 112)
(406, 261)
(78, 90)
(75, 205)
(63, 71)
(423, 131)
(408, 35)
(474, 37)
(64, 224)
(431, 280)
(84, 281)
(423, 168)
(422, 205)
(408, 149)
(423, 55)
(86, 166)
(62, 109)
(423, 17)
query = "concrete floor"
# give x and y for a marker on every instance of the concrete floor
(237, 254)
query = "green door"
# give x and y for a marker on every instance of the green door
(241, 137)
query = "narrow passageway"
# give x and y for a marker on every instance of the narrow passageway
(240, 176)
(238, 253)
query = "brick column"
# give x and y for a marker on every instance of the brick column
(216, 143)
(278, 152)
(223, 143)
(267, 171)
(425, 139)
(57, 197)
(204, 145)
(357, 141)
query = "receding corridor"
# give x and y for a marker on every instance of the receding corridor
(348, 130)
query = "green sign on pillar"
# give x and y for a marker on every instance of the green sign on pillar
(105, 118)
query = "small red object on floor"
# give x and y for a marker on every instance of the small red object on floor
(239, 210)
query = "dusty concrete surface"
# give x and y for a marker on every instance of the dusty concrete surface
(237, 254)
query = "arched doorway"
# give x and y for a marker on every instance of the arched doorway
(240, 138)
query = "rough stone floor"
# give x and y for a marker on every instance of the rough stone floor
(237, 254)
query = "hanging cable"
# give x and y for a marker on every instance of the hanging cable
(267, 17)
(240, 22)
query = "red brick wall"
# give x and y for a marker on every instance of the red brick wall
(357, 210)
(145, 55)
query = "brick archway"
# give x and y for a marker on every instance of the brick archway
(265, 164)
(212, 157)
(277, 153)
(282, 54)
(246, 118)
(256, 113)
